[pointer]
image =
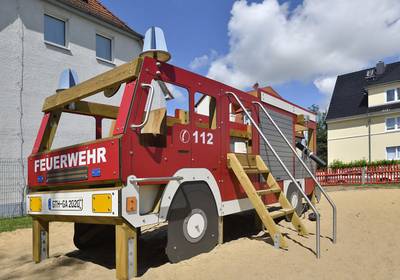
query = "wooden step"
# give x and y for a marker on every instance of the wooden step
(281, 212)
(253, 170)
(250, 163)
(268, 191)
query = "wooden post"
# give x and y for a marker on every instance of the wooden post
(40, 238)
(220, 230)
(126, 240)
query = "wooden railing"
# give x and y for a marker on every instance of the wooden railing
(385, 174)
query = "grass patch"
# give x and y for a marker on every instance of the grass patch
(10, 224)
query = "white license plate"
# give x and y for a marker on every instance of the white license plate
(67, 204)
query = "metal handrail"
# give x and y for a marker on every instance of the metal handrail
(148, 106)
(317, 216)
(156, 179)
(334, 230)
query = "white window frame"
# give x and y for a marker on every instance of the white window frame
(66, 31)
(396, 95)
(397, 152)
(396, 124)
(109, 37)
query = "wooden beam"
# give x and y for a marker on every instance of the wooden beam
(126, 241)
(93, 109)
(40, 240)
(220, 230)
(121, 74)
(50, 131)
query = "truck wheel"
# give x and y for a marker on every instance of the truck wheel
(88, 236)
(294, 197)
(192, 222)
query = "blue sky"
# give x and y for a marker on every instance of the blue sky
(199, 29)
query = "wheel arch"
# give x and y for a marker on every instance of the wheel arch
(202, 175)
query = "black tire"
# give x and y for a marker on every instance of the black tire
(88, 236)
(193, 207)
(295, 198)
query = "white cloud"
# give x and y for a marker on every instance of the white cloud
(204, 60)
(325, 84)
(317, 41)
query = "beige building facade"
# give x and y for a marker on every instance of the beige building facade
(371, 135)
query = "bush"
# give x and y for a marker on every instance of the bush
(337, 164)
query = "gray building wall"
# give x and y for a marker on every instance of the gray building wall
(30, 69)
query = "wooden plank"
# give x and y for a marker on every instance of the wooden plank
(261, 165)
(255, 199)
(40, 250)
(155, 122)
(220, 230)
(50, 131)
(268, 191)
(246, 161)
(239, 133)
(121, 74)
(126, 262)
(282, 212)
(93, 109)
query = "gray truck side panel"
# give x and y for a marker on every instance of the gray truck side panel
(285, 123)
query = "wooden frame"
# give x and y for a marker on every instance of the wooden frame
(124, 73)
(93, 109)
(126, 241)
(40, 240)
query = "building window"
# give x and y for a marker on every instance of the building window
(54, 30)
(103, 47)
(393, 95)
(393, 153)
(392, 124)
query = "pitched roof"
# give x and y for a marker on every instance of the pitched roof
(99, 11)
(349, 97)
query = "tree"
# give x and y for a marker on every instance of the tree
(322, 147)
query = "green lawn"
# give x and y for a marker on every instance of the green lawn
(10, 224)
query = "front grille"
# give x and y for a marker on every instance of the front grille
(67, 175)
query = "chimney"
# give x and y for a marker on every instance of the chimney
(380, 67)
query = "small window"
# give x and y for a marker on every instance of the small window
(206, 111)
(54, 30)
(393, 153)
(391, 95)
(103, 47)
(390, 123)
(177, 104)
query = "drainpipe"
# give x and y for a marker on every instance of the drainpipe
(369, 139)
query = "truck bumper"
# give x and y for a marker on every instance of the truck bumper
(96, 203)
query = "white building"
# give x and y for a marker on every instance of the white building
(38, 40)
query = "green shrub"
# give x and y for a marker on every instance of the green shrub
(337, 164)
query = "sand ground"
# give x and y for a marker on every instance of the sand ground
(368, 248)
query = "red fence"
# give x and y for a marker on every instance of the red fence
(385, 174)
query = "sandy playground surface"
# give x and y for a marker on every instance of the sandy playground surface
(368, 248)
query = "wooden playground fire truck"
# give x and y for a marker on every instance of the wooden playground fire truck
(184, 150)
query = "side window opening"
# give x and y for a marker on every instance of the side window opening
(170, 107)
(240, 130)
(206, 111)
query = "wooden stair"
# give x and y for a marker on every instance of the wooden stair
(244, 164)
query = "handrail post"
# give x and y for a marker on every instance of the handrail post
(334, 220)
(317, 216)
